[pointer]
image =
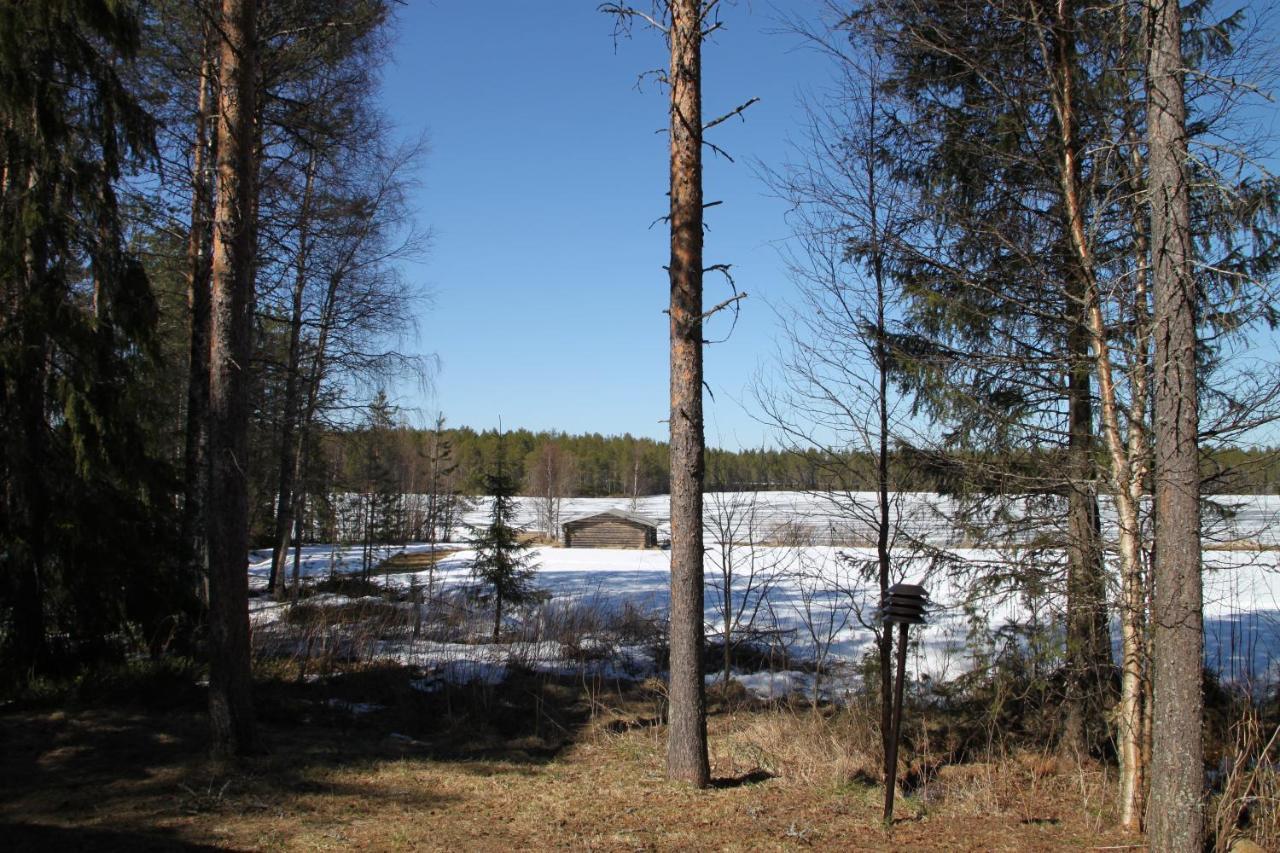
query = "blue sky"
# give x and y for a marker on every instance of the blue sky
(543, 176)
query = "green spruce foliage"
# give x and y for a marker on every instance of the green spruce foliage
(503, 568)
(85, 518)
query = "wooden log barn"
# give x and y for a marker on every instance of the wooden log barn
(613, 528)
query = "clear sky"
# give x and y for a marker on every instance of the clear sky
(544, 174)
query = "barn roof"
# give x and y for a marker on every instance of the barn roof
(616, 513)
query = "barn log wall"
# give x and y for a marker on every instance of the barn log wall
(609, 534)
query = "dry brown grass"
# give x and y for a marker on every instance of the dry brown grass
(419, 561)
(1248, 545)
(1248, 806)
(537, 765)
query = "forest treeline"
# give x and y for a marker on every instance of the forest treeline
(628, 466)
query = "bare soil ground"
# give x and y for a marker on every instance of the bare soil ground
(537, 764)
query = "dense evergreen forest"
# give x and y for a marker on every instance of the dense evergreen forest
(625, 466)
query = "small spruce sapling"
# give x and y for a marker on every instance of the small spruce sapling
(503, 567)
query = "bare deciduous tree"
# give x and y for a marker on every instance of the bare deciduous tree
(744, 568)
(550, 475)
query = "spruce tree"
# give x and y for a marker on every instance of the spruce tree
(503, 567)
(82, 509)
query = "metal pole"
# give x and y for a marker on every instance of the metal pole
(891, 780)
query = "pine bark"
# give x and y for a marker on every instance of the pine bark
(195, 451)
(687, 731)
(1175, 816)
(231, 315)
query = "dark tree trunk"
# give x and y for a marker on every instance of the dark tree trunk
(1176, 809)
(314, 380)
(231, 318)
(1088, 647)
(23, 411)
(290, 429)
(29, 506)
(884, 565)
(194, 457)
(727, 603)
(687, 732)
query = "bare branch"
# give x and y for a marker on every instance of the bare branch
(732, 300)
(716, 149)
(625, 14)
(736, 111)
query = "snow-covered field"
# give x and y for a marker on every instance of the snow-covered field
(811, 595)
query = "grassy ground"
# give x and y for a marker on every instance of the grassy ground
(537, 764)
(419, 561)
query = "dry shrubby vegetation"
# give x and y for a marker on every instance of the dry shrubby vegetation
(367, 753)
(360, 758)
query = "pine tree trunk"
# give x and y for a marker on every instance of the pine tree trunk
(231, 325)
(687, 732)
(1176, 813)
(29, 504)
(195, 451)
(1088, 646)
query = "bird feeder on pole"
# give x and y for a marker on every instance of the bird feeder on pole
(904, 606)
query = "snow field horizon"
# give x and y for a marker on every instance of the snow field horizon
(806, 555)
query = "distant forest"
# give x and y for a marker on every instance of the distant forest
(595, 465)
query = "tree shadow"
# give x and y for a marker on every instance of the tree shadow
(38, 837)
(622, 726)
(124, 769)
(754, 777)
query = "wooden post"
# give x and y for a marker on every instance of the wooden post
(891, 780)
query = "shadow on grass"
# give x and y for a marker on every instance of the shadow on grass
(618, 727)
(120, 769)
(528, 718)
(30, 836)
(755, 777)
